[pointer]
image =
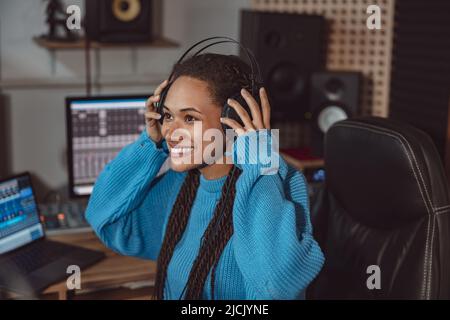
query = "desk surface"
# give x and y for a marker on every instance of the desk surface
(114, 270)
(302, 164)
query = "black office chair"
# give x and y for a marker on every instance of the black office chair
(385, 204)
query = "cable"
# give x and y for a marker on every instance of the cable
(1, 55)
(87, 64)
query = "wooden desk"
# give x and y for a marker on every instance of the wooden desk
(302, 164)
(115, 271)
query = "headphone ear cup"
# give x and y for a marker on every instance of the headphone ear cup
(229, 112)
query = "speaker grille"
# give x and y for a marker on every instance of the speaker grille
(288, 47)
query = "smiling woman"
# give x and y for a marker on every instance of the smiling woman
(218, 230)
(182, 110)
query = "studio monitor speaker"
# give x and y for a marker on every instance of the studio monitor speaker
(119, 20)
(288, 48)
(335, 96)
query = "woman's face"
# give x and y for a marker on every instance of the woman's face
(189, 103)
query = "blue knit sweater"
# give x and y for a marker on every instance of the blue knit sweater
(271, 255)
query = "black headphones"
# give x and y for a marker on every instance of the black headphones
(227, 111)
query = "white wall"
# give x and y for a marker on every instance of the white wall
(37, 81)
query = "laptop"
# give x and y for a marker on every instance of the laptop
(29, 262)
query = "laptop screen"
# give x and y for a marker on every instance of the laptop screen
(19, 217)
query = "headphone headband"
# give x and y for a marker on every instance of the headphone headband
(250, 57)
(256, 79)
(249, 54)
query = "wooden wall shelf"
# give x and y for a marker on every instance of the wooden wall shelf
(80, 44)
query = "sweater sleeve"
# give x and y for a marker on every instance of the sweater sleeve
(273, 241)
(114, 209)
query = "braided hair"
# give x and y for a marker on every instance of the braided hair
(224, 75)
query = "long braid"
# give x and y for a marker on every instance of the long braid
(216, 237)
(175, 228)
(225, 226)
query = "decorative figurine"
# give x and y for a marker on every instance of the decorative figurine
(56, 20)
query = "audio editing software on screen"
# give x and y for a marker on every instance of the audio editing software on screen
(99, 130)
(19, 218)
(17, 207)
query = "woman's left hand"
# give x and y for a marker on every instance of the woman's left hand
(260, 116)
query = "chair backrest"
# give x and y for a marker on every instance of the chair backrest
(385, 212)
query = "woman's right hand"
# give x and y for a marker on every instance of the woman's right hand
(152, 116)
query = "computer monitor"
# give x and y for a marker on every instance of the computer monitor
(19, 216)
(97, 129)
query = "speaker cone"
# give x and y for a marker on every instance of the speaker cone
(126, 10)
(286, 82)
(329, 116)
(334, 89)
